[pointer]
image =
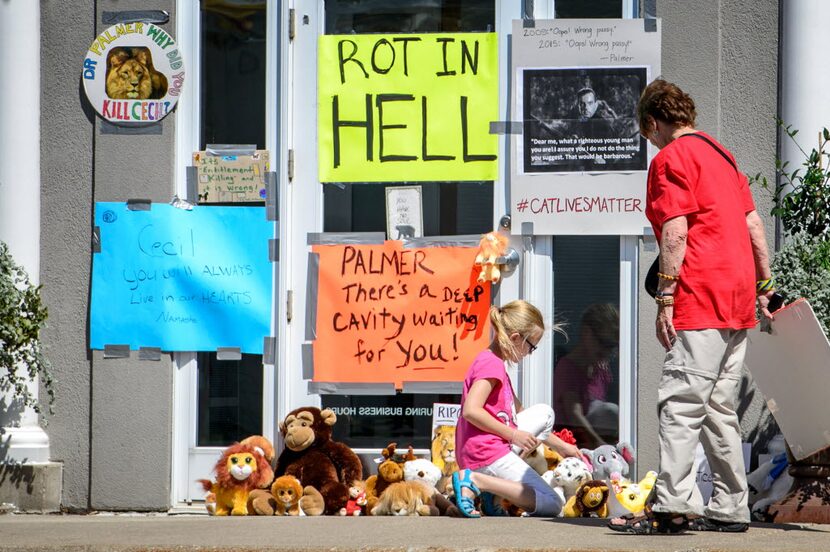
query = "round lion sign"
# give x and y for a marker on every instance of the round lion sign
(133, 73)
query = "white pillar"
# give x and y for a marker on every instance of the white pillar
(22, 440)
(805, 79)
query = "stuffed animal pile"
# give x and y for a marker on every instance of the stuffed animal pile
(315, 475)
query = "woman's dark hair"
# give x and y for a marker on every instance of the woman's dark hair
(666, 102)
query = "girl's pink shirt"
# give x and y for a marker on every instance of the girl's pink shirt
(476, 448)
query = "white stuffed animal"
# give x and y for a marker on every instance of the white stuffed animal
(422, 470)
(567, 477)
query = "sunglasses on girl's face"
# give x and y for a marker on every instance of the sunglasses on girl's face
(531, 346)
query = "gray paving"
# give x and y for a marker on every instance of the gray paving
(163, 532)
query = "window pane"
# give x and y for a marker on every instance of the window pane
(409, 16)
(577, 9)
(233, 73)
(586, 368)
(230, 399)
(375, 421)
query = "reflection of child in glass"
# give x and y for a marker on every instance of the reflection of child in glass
(494, 431)
(582, 378)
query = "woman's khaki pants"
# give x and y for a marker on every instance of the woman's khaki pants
(696, 403)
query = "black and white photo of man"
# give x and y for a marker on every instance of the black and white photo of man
(582, 120)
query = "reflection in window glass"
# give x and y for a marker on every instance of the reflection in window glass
(230, 399)
(578, 9)
(233, 73)
(365, 421)
(586, 367)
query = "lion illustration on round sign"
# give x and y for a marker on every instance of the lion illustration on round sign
(131, 75)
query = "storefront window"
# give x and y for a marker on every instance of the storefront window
(586, 367)
(233, 73)
(230, 399)
(232, 103)
(449, 208)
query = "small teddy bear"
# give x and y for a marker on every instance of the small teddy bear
(356, 505)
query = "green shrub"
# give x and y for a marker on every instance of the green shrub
(802, 269)
(22, 316)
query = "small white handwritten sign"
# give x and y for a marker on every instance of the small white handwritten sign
(404, 212)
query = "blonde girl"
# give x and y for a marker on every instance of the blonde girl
(494, 431)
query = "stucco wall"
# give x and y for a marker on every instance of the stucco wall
(113, 423)
(725, 54)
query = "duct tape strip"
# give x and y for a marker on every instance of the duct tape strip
(307, 352)
(139, 204)
(274, 250)
(149, 353)
(130, 128)
(116, 351)
(312, 281)
(470, 240)
(228, 353)
(230, 149)
(96, 239)
(437, 387)
(344, 238)
(649, 9)
(192, 184)
(527, 228)
(507, 127)
(269, 350)
(272, 200)
(326, 388)
(650, 25)
(158, 17)
(528, 23)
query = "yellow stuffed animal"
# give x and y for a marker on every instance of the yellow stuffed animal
(240, 470)
(492, 246)
(632, 496)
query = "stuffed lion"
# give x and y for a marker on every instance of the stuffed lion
(240, 470)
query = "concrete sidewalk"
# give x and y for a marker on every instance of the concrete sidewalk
(162, 532)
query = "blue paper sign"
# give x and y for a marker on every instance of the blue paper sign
(181, 280)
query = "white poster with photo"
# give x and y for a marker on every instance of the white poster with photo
(444, 419)
(579, 162)
(404, 212)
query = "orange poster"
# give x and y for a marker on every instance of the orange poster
(389, 314)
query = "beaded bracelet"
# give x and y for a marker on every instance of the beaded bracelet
(667, 301)
(663, 294)
(763, 286)
(667, 277)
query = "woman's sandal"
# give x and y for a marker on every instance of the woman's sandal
(650, 523)
(466, 504)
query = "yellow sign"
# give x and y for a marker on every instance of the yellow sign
(413, 107)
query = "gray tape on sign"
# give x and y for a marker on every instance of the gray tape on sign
(139, 204)
(527, 229)
(312, 281)
(158, 17)
(650, 25)
(528, 23)
(192, 184)
(307, 352)
(149, 353)
(436, 387)
(272, 204)
(130, 128)
(228, 353)
(325, 388)
(116, 351)
(96, 239)
(470, 240)
(230, 149)
(269, 350)
(345, 238)
(274, 251)
(649, 9)
(507, 127)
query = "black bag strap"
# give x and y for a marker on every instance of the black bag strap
(716, 148)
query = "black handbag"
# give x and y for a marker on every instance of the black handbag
(651, 280)
(651, 277)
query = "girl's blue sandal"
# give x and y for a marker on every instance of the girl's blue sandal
(465, 504)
